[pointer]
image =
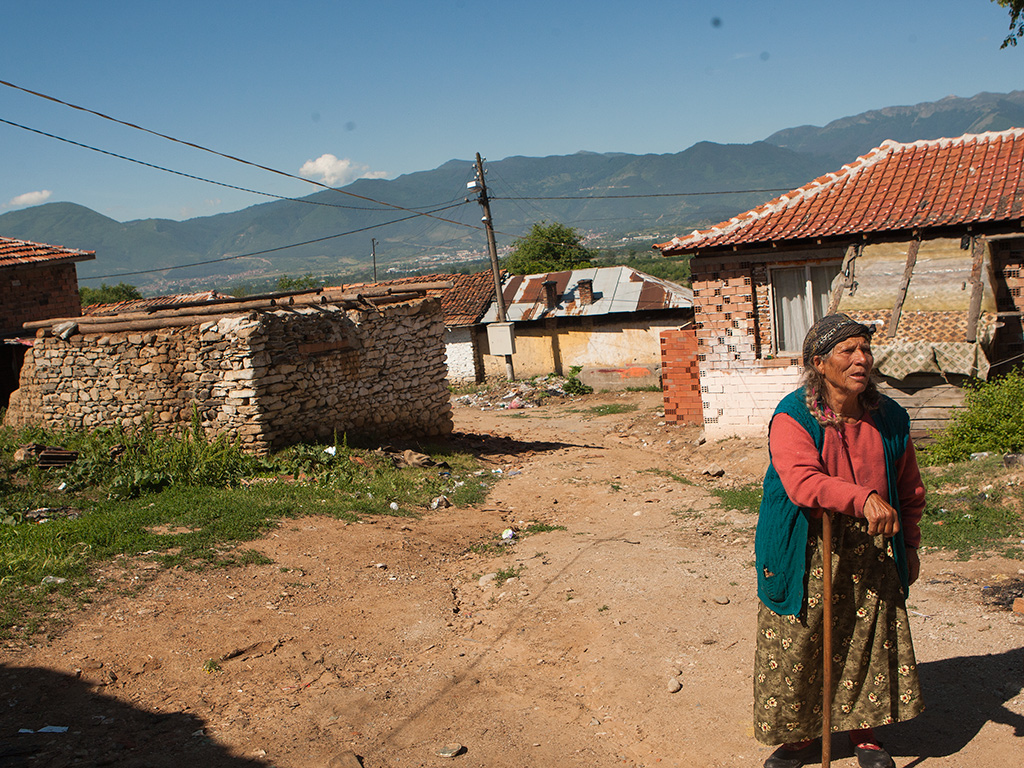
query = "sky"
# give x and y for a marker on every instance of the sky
(332, 91)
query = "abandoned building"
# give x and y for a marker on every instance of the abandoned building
(271, 371)
(607, 320)
(924, 240)
(36, 281)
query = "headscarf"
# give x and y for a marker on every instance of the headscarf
(831, 330)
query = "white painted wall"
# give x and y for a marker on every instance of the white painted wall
(741, 403)
(459, 347)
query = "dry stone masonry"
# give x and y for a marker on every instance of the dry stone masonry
(272, 378)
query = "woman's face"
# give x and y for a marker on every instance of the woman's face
(848, 368)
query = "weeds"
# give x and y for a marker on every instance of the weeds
(746, 498)
(573, 385)
(966, 512)
(992, 420)
(181, 499)
(505, 574)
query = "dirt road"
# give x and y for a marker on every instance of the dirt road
(383, 642)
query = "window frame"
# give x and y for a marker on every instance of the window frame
(807, 266)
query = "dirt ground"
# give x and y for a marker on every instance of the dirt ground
(380, 643)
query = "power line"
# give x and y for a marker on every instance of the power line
(226, 156)
(182, 173)
(651, 194)
(265, 250)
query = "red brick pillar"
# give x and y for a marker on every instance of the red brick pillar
(680, 377)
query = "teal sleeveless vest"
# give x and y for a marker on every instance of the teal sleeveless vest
(780, 544)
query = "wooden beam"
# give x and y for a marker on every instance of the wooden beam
(852, 252)
(901, 293)
(977, 259)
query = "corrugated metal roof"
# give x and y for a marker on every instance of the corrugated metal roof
(974, 178)
(615, 289)
(14, 253)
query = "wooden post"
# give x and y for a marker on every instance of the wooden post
(901, 294)
(826, 641)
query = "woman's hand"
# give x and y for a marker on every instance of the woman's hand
(882, 518)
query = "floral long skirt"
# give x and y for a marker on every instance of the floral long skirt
(874, 671)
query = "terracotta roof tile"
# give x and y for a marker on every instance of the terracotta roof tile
(462, 304)
(974, 178)
(15, 253)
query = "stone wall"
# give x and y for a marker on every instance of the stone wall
(273, 378)
(36, 292)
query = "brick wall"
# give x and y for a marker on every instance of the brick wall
(680, 376)
(40, 292)
(740, 381)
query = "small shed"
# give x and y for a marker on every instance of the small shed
(607, 320)
(921, 239)
(271, 371)
(36, 281)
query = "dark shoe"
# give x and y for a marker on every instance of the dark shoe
(873, 756)
(794, 758)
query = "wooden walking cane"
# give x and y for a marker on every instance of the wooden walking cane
(826, 641)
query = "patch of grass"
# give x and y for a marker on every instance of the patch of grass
(505, 574)
(670, 475)
(210, 666)
(612, 408)
(543, 528)
(746, 498)
(616, 487)
(967, 513)
(183, 500)
(645, 388)
(602, 609)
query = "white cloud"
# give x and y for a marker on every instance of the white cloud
(337, 172)
(29, 198)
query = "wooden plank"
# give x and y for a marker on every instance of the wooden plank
(901, 294)
(977, 255)
(846, 270)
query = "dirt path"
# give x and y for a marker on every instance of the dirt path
(389, 639)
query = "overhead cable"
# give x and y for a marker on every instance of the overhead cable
(265, 250)
(230, 157)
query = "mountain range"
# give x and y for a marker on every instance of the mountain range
(616, 199)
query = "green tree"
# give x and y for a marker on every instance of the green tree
(1016, 20)
(286, 283)
(549, 248)
(108, 294)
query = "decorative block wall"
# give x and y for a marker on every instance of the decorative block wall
(680, 376)
(272, 378)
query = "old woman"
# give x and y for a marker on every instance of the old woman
(836, 445)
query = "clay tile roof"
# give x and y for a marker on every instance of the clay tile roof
(16, 253)
(462, 304)
(976, 178)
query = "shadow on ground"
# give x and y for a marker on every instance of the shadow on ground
(948, 723)
(101, 730)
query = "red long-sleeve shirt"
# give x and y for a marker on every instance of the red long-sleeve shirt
(850, 466)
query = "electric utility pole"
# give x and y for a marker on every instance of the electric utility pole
(373, 252)
(485, 203)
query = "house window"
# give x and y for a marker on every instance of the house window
(799, 298)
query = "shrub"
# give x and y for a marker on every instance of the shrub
(573, 385)
(993, 420)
